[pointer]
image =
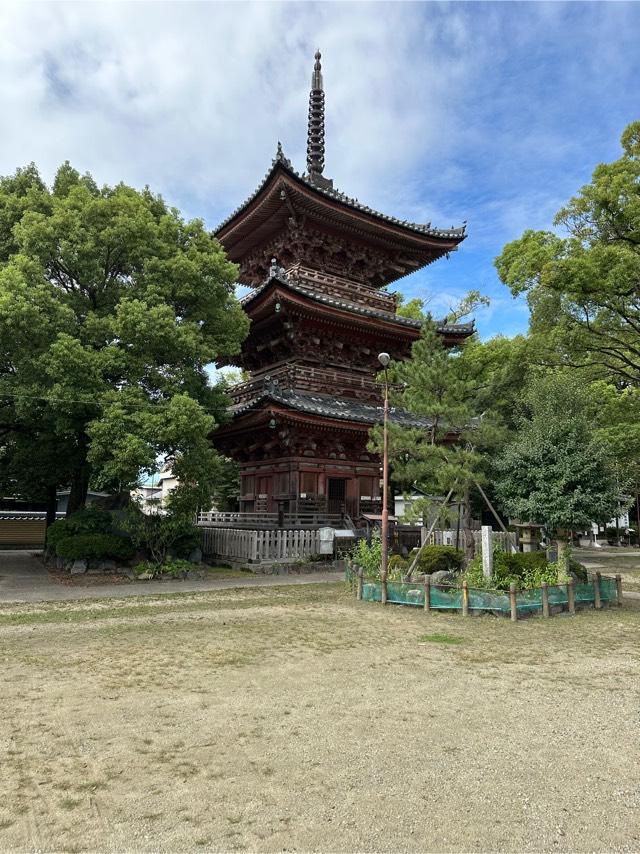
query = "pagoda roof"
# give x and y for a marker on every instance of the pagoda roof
(283, 190)
(281, 280)
(327, 406)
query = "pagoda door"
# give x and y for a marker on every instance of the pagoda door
(336, 495)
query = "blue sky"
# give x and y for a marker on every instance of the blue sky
(494, 113)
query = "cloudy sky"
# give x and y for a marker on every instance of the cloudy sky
(494, 113)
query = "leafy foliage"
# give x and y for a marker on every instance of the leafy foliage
(584, 289)
(440, 558)
(89, 521)
(111, 306)
(368, 555)
(94, 545)
(556, 472)
(175, 567)
(160, 534)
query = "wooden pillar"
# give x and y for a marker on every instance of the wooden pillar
(465, 599)
(571, 595)
(427, 593)
(384, 591)
(545, 599)
(619, 589)
(597, 603)
(513, 602)
(360, 583)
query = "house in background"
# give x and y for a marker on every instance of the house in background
(155, 490)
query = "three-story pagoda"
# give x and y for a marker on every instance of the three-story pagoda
(319, 318)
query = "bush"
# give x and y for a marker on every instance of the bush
(524, 569)
(87, 521)
(161, 533)
(176, 568)
(397, 562)
(369, 557)
(98, 546)
(437, 558)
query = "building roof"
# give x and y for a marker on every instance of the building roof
(280, 278)
(327, 406)
(282, 163)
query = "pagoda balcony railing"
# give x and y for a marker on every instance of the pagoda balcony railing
(328, 283)
(310, 378)
(269, 521)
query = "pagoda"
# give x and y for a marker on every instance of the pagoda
(318, 263)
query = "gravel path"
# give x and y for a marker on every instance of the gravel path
(24, 578)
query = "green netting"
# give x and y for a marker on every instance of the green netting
(446, 598)
(489, 600)
(450, 598)
(405, 594)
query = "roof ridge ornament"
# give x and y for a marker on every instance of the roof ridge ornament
(315, 128)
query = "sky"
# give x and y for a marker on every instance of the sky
(493, 113)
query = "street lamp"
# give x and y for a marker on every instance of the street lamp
(384, 360)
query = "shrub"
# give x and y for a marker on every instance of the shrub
(87, 521)
(397, 562)
(437, 558)
(524, 569)
(88, 546)
(368, 556)
(161, 533)
(177, 568)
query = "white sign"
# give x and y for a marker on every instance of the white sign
(487, 551)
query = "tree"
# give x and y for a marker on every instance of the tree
(583, 289)
(438, 384)
(556, 471)
(111, 307)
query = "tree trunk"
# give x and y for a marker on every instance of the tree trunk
(469, 544)
(562, 543)
(52, 503)
(79, 480)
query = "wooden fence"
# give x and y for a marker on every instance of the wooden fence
(264, 521)
(260, 546)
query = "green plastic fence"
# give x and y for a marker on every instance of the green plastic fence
(444, 598)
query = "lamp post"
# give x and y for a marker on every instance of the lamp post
(384, 360)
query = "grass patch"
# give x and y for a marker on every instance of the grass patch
(441, 637)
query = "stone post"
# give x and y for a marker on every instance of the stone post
(487, 551)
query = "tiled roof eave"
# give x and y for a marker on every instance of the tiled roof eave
(280, 161)
(461, 329)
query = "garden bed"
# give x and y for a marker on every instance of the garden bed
(546, 600)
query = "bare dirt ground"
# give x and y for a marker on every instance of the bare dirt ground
(294, 718)
(610, 561)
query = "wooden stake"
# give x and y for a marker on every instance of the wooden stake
(427, 593)
(465, 599)
(429, 532)
(619, 589)
(360, 583)
(512, 599)
(597, 603)
(384, 592)
(571, 595)
(498, 519)
(545, 599)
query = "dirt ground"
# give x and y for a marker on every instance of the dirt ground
(294, 718)
(610, 561)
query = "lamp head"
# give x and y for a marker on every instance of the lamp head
(384, 359)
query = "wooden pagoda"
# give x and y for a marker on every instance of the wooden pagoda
(319, 317)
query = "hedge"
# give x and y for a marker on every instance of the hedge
(88, 546)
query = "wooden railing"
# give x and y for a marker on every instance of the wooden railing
(347, 289)
(260, 546)
(269, 521)
(309, 378)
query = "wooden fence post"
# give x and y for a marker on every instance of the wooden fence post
(513, 601)
(384, 591)
(427, 592)
(545, 599)
(571, 595)
(619, 589)
(360, 583)
(465, 599)
(597, 603)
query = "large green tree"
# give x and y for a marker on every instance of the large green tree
(111, 307)
(583, 285)
(557, 471)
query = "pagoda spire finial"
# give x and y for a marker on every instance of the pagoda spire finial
(315, 128)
